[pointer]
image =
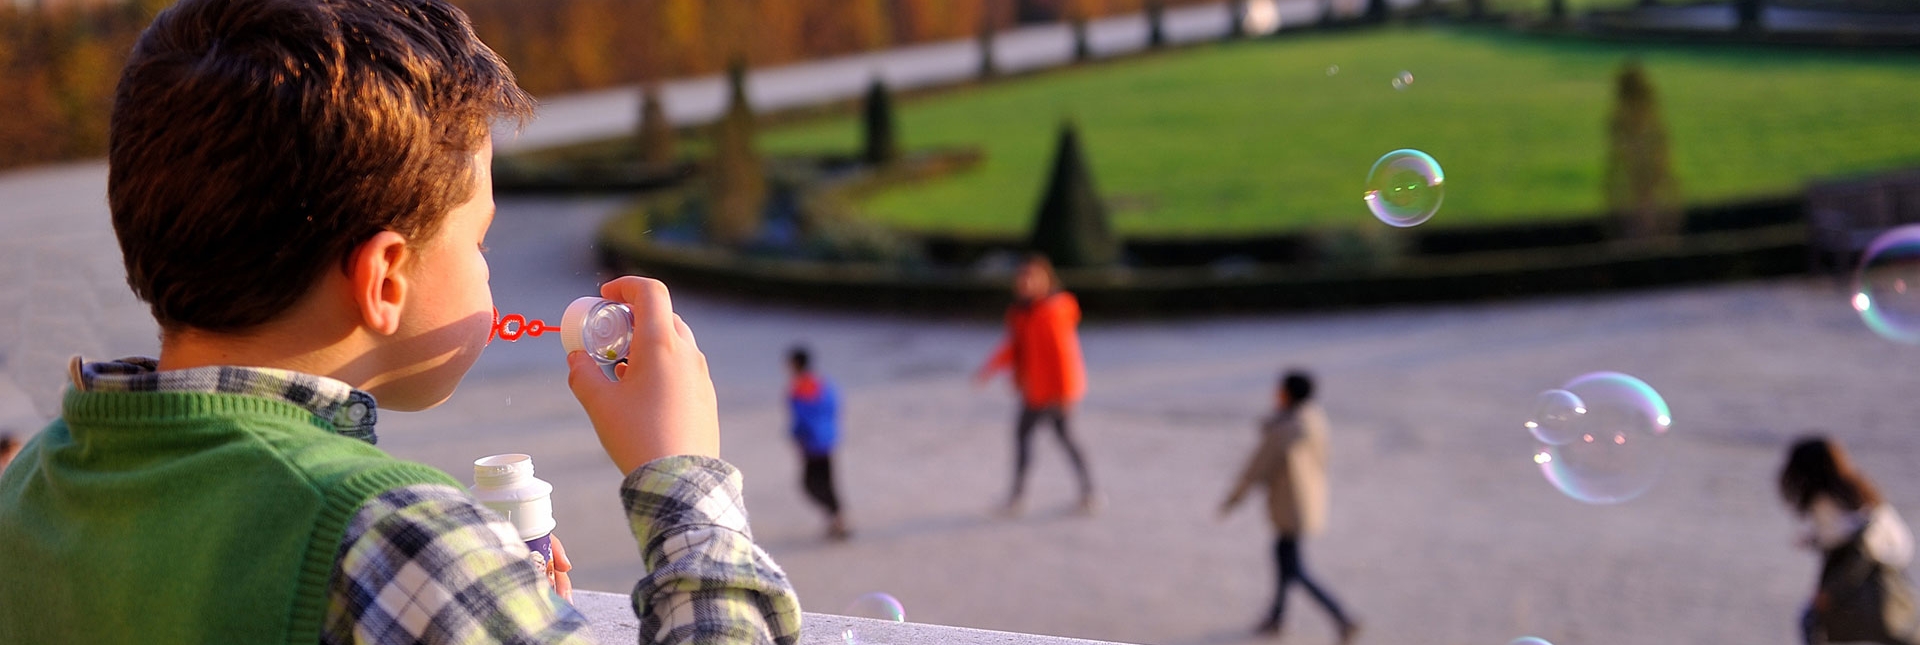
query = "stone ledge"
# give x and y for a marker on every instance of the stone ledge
(611, 616)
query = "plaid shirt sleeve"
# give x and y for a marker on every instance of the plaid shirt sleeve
(428, 564)
(706, 581)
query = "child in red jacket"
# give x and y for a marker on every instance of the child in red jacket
(1043, 351)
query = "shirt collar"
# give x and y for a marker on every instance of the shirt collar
(349, 411)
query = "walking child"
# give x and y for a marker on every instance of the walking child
(1042, 350)
(1291, 464)
(816, 431)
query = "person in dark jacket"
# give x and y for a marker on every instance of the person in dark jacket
(816, 430)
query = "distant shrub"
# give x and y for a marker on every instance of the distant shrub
(1643, 197)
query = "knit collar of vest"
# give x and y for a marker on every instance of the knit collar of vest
(350, 411)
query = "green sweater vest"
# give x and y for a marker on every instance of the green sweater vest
(144, 517)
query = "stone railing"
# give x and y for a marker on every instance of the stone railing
(614, 624)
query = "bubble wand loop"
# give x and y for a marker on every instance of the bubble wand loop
(512, 326)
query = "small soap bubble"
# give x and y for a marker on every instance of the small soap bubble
(1556, 414)
(1403, 80)
(1333, 70)
(1614, 450)
(876, 606)
(1886, 287)
(1529, 640)
(1404, 188)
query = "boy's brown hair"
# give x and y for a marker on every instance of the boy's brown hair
(256, 143)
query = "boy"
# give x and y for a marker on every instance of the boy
(300, 190)
(816, 410)
(1291, 463)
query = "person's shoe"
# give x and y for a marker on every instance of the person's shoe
(837, 530)
(1349, 632)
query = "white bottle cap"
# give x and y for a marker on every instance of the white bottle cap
(502, 470)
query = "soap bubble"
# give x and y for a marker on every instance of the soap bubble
(1556, 414)
(1333, 69)
(1529, 640)
(1404, 188)
(1886, 288)
(1403, 80)
(1615, 451)
(876, 606)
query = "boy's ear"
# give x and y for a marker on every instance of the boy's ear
(375, 280)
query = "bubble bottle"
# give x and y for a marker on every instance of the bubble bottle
(505, 483)
(600, 327)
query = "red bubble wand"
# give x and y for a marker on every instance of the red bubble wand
(512, 326)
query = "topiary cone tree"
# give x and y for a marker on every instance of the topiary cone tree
(737, 186)
(656, 134)
(1071, 227)
(882, 148)
(1643, 198)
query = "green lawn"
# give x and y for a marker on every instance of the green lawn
(1256, 136)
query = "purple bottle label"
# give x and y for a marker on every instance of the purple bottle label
(542, 552)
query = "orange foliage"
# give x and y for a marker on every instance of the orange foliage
(58, 67)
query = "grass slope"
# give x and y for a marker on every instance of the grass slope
(1257, 136)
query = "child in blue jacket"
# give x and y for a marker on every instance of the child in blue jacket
(816, 411)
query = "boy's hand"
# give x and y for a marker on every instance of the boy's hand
(663, 403)
(557, 571)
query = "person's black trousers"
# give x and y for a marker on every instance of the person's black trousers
(818, 478)
(1286, 554)
(1023, 441)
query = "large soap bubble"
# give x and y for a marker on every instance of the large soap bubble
(1614, 450)
(1886, 287)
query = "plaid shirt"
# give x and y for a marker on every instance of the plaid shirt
(428, 564)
